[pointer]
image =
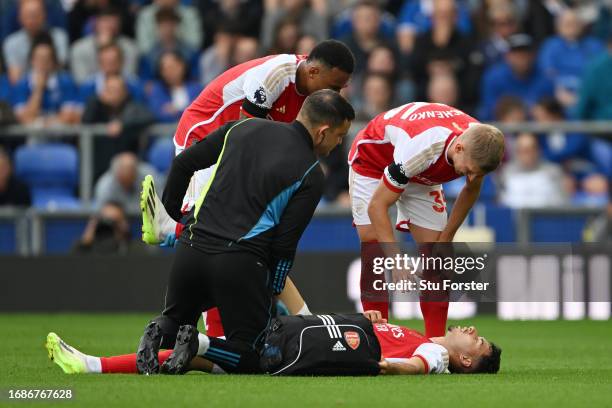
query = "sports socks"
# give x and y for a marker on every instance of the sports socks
(371, 299)
(126, 364)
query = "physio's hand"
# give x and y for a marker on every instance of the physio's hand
(374, 316)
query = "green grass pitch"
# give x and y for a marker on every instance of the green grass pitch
(560, 364)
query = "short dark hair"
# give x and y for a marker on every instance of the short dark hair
(489, 364)
(111, 46)
(43, 38)
(334, 54)
(327, 107)
(552, 106)
(167, 14)
(110, 11)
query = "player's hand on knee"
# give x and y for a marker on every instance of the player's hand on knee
(374, 316)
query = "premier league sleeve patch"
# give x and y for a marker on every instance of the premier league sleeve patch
(260, 97)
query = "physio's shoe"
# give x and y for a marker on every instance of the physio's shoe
(146, 357)
(185, 349)
(70, 360)
(156, 223)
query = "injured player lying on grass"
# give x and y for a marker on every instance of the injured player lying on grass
(399, 350)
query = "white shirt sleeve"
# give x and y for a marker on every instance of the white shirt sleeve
(434, 356)
(415, 154)
(412, 155)
(264, 83)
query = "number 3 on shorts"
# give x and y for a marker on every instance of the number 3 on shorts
(440, 201)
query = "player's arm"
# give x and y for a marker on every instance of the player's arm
(262, 87)
(293, 222)
(464, 203)
(409, 366)
(292, 298)
(199, 156)
(428, 358)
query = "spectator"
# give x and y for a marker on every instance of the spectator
(244, 16)
(308, 20)
(518, 76)
(121, 183)
(172, 94)
(9, 16)
(366, 34)
(441, 49)
(45, 93)
(286, 37)
(12, 191)
(377, 96)
(190, 28)
(168, 22)
(595, 103)
(593, 192)
(528, 181)
(503, 21)
(83, 57)
(443, 88)
(107, 233)
(110, 62)
(216, 59)
(16, 47)
(564, 56)
(572, 150)
(245, 49)
(383, 60)
(416, 18)
(305, 44)
(124, 119)
(7, 116)
(82, 17)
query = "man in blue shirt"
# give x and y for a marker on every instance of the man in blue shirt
(517, 75)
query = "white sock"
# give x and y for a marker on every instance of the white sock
(203, 344)
(304, 310)
(93, 364)
(217, 370)
(166, 225)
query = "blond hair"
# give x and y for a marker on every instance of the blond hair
(485, 145)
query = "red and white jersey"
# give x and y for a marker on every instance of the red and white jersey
(415, 136)
(398, 343)
(268, 83)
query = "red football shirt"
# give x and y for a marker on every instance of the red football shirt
(416, 136)
(268, 83)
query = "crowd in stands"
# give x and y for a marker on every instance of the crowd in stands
(131, 63)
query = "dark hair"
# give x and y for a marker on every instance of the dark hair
(328, 107)
(367, 3)
(179, 57)
(111, 45)
(167, 14)
(334, 54)
(552, 106)
(110, 11)
(507, 104)
(489, 364)
(43, 38)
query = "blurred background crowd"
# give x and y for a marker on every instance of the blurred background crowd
(131, 63)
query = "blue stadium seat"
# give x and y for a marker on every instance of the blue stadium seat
(51, 172)
(161, 154)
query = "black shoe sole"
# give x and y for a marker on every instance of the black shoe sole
(185, 349)
(147, 361)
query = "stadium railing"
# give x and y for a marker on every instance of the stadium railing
(85, 134)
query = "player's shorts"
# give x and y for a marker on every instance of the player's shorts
(334, 344)
(196, 185)
(419, 204)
